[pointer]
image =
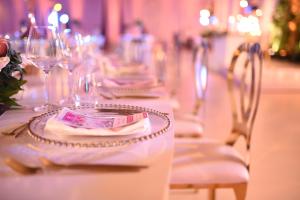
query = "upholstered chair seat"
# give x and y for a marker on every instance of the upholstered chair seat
(188, 125)
(205, 162)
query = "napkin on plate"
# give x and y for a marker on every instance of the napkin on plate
(141, 81)
(74, 123)
(114, 66)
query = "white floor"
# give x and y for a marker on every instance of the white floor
(275, 156)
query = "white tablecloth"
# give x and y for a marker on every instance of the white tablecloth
(149, 183)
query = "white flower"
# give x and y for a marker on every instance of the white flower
(4, 61)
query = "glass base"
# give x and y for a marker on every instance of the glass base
(67, 102)
(45, 108)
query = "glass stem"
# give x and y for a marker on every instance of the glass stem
(70, 84)
(47, 88)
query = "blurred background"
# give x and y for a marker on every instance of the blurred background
(274, 23)
(173, 28)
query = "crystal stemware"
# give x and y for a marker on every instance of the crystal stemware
(43, 49)
(72, 48)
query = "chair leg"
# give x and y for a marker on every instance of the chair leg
(240, 191)
(211, 193)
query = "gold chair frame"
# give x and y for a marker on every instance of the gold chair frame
(201, 74)
(243, 116)
(200, 62)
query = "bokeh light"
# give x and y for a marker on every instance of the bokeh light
(64, 18)
(57, 7)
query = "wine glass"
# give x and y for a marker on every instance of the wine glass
(72, 48)
(44, 50)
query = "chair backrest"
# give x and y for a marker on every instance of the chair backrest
(136, 47)
(132, 49)
(159, 61)
(244, 103)
(200, 62)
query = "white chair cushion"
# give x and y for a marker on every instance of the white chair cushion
(187, 116)
(206, 162)
(186, 128)
(174, 104)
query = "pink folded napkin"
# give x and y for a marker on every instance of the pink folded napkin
(71, 123)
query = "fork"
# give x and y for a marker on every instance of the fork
(47, 164)
(17, 131)
(103, 167)
(21, 167)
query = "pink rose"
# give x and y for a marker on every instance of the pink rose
(3, 47)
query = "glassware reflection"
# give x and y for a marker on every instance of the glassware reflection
(73, 57)
(86, 89)
(44, 50)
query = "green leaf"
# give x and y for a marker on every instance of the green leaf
(15, 58)
(8, 101)
(10, 85)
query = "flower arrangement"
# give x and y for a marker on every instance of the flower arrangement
(11, 74)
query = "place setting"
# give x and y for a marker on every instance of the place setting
(108, 134)
(72, 110)
(133, 86)
(81, 127)
(130, 79)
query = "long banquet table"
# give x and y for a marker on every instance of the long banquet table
(150, 182)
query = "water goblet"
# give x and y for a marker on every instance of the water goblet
(72, 48)
(44, 50)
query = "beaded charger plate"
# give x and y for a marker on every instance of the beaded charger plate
(159, 121)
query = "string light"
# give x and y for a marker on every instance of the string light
(258, 12)
(204, 13)
(292, 26)
(204, 21)
(204, 17)
(249, 25)
(7, 37)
